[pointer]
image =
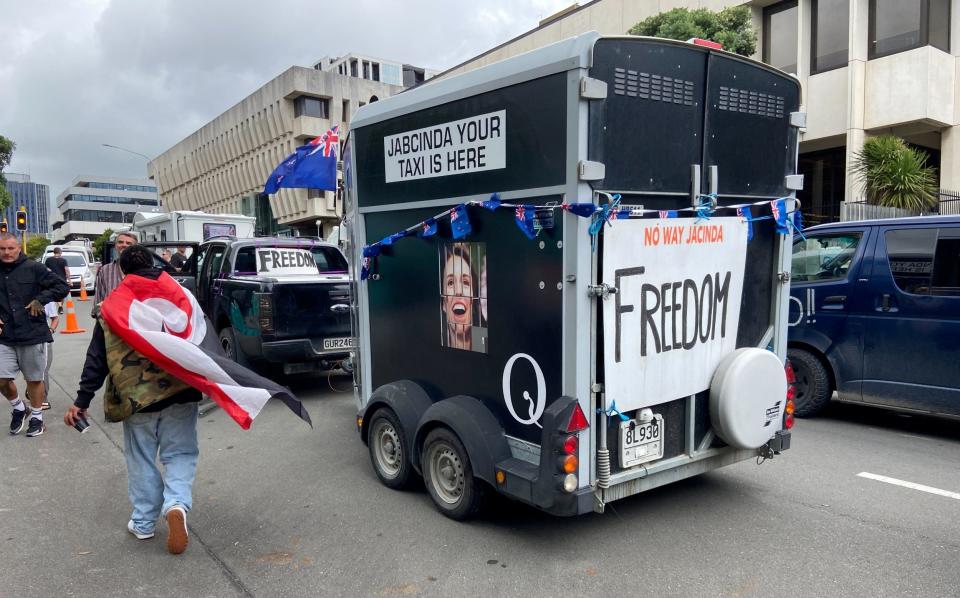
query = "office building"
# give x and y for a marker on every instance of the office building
(867, 67)
(223, 166)
(35, 197)
(92, 204)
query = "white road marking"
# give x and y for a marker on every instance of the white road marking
(911, 485)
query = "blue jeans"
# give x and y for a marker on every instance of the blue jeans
(172, 434)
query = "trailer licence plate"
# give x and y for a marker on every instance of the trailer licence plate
(339, 343)
(641, 442)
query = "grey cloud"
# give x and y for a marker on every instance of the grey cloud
(143, 75)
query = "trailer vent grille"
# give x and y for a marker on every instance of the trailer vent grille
(656, 88)
(750, 102)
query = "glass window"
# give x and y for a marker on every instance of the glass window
(246, 262)
(780, 36)
(376, 71)
(910, 255)
(329, 260)
(819, 258)
(307, 106)
(830, 34)
(899, 25)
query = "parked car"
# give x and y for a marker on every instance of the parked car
(280, 302)
(875, 315)
(81, 269)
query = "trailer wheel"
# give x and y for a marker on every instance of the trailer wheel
(228, 340)
(389, 450)
(813, 383)
(448, 476)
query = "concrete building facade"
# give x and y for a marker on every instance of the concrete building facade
(223, 166)
(867, 67)
(92, 204)
(35, 197)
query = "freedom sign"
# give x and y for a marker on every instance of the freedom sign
(675, 314)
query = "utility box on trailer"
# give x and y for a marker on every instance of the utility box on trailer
(570, 272)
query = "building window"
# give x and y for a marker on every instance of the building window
(366, 69)
(307, 106)
(830, 35)
(353, 68)
(376, 71)
(780, 36)
(345, 113)
(900, 25)
(824, 180)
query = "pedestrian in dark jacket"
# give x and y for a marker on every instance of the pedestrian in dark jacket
(25, 287)
(57, 264)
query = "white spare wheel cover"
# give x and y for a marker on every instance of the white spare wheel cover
(747, 397)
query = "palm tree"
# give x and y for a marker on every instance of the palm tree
(895, 175)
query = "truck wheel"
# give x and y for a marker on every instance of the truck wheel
(448, 476)
(389, 452)
(228, 340)
(813, 383)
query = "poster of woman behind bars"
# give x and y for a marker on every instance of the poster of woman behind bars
(463, 296)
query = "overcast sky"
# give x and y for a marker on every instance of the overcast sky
(144, 74)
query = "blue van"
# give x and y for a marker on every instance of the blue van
(875, 315)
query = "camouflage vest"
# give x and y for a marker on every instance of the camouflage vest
(135, 382)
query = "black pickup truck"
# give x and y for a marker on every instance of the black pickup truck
(277, 302)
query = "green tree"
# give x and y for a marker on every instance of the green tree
(895, 175)
(730, 27)
(99, 242)
(6, 154)
(35, 247)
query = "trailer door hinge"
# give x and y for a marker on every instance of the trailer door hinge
(591, 171)
(601, 290)
(794, 182)
(783, 277)
(593, 89)
(798, 120)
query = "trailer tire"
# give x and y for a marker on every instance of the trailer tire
(448, 476)
(389, 450)
(228, 341)
(813, 383)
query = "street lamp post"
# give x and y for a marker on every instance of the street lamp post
(318, 223)
(130, 151)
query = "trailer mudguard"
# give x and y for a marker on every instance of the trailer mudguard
(405, 398)
(476, 427)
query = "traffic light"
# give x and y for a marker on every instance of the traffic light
(21, 220)
(3, 226)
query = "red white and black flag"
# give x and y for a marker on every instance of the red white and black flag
(163, 321)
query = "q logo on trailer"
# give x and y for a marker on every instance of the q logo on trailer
(534, 407)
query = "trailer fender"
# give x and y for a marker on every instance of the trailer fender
(405, 398)
(476, 427)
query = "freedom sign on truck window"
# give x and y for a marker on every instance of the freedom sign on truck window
(281, 261)
(467, 145)
(676, 312)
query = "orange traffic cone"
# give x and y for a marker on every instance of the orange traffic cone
(72, 327)
(83, 293)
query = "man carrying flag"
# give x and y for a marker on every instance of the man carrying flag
(153, 347)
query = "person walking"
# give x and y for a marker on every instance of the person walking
(110, 275)
(159, 415)
(52, 313)
(57, 263)
(25, 287)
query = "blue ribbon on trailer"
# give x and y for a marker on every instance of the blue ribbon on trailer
(706, 206)
(612, 410)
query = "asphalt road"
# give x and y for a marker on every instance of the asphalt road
(285, 510)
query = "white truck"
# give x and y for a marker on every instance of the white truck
(191, 226)
(570, 272)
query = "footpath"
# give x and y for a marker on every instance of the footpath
(64, 508)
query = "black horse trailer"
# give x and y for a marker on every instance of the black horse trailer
(570, 272)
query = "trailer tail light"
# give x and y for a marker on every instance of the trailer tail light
(266, 313)
(791, 394)
(570, 445)
(578, 421)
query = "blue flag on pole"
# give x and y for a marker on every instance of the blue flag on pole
(524, 216)
(312, 166)
(428, 228)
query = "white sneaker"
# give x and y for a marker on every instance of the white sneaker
(139, 536)
(177, 534)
